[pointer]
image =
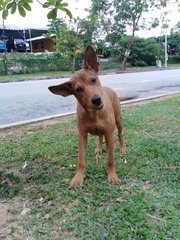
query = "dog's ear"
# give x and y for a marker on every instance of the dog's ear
(90, 60)
(64, 89)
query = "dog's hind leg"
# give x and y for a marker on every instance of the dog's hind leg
(122, 145)
(119, 124)
(98, 149)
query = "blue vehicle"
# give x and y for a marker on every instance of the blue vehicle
(2, 46)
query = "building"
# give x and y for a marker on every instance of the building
(42, 44)
(13, 36)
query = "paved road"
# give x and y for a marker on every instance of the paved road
(21, 101)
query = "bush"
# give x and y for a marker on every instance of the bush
(140, 63)
(144, 52)
(32, 63)
(174, 59)
(78, 61)
(109, 65)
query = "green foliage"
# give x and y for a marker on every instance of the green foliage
(56, 5)
(174, 43)
(123, 17)
(10, 184)
(68, 41)
(86, 29)
(144, 52)
(32, 63)
(11, 6)
(174, 59)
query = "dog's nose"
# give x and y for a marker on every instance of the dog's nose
(96, 99)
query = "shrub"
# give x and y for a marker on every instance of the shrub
(140, 63)
(174, 59)
(144, 52)
(32, 63)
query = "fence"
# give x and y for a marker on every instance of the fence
(27, 63)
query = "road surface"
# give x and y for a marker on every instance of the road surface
(21, 101)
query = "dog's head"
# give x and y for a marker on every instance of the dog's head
(84, 84)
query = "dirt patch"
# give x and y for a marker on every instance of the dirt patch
(3, 214)
(13, 216)
(33, 127)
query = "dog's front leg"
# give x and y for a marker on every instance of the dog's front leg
(79, 176)
(112, 176)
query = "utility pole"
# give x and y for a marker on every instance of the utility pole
(5, 55)
(165, 49)
(24, 36)
(165, 27)
(30, 40)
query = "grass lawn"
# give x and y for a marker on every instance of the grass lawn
(38, 162)
(40, 75)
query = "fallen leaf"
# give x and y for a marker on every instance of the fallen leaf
(25, 211)
(147, 185)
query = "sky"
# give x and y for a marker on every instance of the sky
(37, 18)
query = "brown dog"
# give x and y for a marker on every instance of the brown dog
(98, 112)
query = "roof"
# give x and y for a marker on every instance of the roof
(21, 33)
(14, 27)
(39, 38)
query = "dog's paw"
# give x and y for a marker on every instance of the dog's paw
(123, 150)
(113, 179)
(77, 181)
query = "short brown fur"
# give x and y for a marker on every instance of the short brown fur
(98, 112)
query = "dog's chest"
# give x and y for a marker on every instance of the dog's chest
(99, 126)
(97, 130)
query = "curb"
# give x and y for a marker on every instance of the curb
(20, 123)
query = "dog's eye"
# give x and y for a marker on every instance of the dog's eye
(79, 89)
(93, 80)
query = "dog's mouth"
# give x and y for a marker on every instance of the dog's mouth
(97, 102)
(98, 106)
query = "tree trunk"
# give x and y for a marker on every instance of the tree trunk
(127, 53)
(123, 65)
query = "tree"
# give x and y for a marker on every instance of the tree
(176, 28)
(174, 44)
(129, 17)
(68, 41)
(102, 10)
(174, 40)
(148, 56)
(11, 6)
(86, 28)
(123, 17)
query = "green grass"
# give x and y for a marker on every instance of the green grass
(144, 206)
(15, 77)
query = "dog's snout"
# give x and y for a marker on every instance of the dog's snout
(96, 99)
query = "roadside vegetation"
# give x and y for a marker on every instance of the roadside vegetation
(61, 74)
(38, 162)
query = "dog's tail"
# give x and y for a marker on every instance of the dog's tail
(126, 98)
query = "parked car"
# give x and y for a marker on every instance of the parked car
(2, 46)
(19, 45)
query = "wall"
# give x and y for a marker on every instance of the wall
(43, 44)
